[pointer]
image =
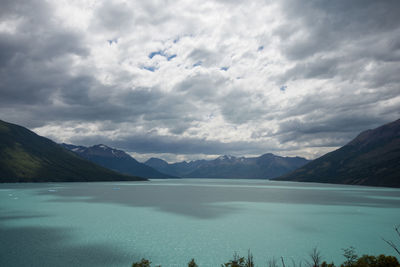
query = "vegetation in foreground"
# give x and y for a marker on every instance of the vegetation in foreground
(314, 259)
(352, 260)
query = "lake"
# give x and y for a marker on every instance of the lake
(172, 221)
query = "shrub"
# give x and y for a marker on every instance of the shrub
(142, 263)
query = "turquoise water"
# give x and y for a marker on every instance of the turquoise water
(172, 221)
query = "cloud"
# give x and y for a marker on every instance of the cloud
(203, 56)
(114, 16)
(325, 26)
(191, 78)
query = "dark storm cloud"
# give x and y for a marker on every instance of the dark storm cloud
(322, 105)
(342, 115)
(37, 37)
(385, 75)
(330, 39)
(34, 60)
(323, 26)
(323, 68)
(150, 105)
(334, 131)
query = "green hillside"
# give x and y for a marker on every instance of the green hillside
(372, 158)
(28, 157)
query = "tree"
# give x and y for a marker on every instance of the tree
(238, 261)
(316, 257)
(376, 261)
(350, 255)
(387, 261)
(192, 263)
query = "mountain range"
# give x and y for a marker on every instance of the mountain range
(116, 160)
(372, 158)
(264, 167)
(28, 157)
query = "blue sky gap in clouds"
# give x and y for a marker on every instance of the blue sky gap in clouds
(161, 53)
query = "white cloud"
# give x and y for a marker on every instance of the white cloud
(196, 71)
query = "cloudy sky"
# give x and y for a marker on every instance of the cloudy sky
(196, 79)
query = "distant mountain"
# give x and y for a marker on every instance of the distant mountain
(28, 157)
(372, 158)
(266, 166)
(180, 169)
(116, 160)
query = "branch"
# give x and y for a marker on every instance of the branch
(396, 228)
(283, 263)
(393, 245)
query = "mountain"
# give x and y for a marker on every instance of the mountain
(180, 169)
(28, 157)
(160, 165)
(266, 166)
(116, 160)
(372, 158)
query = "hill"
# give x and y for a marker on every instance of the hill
(116, 160)
(372, 158)
(266, 166)
(28, 157)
